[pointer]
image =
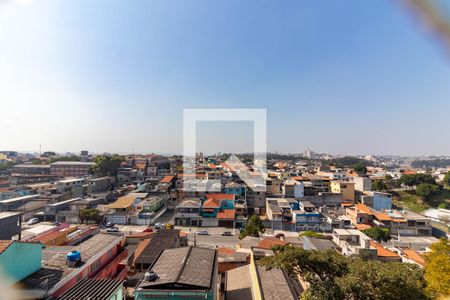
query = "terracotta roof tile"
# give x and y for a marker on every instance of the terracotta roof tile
(413, 255)
(269, 243)
(167, 179)
(4, 244)
(364, 209)
(381, 251)
(226, 214)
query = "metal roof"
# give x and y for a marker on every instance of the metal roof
(92, 289)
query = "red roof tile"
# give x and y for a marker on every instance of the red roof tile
(4, 244)
(269, 243)
(167, 179)
(226, 214)
(381, 251)
(220, 196)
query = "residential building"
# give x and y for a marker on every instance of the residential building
(182, 273)
(218, 210)
(254, 281)
(293, 189)
(101, 256)
(360, 214)
(70, 168)
(31, 169)
(151, 250)
(377, 200)
(320, 244)
(70, 188)
(123, 207)
(10, 224)
(188, 213)
(99, 185)
(93, 288)
(307, 217)
(353, 242)
(404, 223)
(346, 189)
(362, 184)
(19, 259)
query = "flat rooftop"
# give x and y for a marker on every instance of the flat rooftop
(7, 214)
(54, 267)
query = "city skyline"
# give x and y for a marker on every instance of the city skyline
(111, 77)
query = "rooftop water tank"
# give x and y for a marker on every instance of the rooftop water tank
(74, 255)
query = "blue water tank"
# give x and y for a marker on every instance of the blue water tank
(74, 255)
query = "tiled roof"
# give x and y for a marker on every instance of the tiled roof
(90, 288)
(123, 202)
(226, 214)
(269, 243)
(212, 203)
(167, 179)
(190, 267)
(364, 209)
(381, 251)
(141, 246)
(4, 244)
(220, 196)
(362, 226)
(383, 217)
(413, 255)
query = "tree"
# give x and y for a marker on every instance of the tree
(64, 158)
(334, 276)
(437, 270)
(254, 227)
(444, 205)
(426, 190)
(87, 214)
(378, 234)
(379, 185)
(360, 168)
(312, 234)
(447, 179)
(416, 179)
(106, 165)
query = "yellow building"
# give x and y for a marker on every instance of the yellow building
(346, 189)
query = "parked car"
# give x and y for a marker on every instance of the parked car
(227, 233)
(203, 232)
(113, 229)
(109, 225)
(33, 221)
(148, 230)
(56, 223)
(158, 226)
(279, 235)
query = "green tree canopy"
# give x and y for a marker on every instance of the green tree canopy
(443, 205)
(379, 185)
(426, 190)
(312, 234)
(64, 158)
(437, 270)
(360, 168)
(334, 276)
(378, 234)
(106, 165)
(416, 179)
(447, 179)
(89, 214)
(254, 227)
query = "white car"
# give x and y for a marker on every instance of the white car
(33, 221)
(113, 229)
(202, 232)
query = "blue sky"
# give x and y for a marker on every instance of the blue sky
(335, 76)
